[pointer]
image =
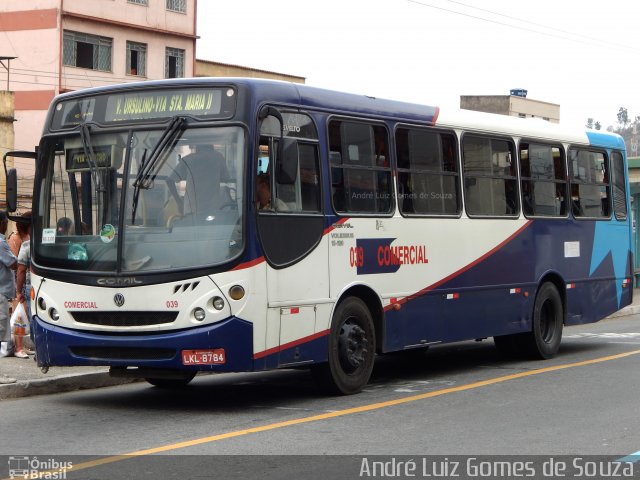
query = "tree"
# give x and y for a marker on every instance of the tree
(598, 126)
(589, 122)
(623, 117)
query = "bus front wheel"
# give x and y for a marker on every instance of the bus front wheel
(548, 318)
(351, 349)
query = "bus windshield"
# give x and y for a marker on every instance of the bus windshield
(143, 200)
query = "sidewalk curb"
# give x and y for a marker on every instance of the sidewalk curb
(65, 383)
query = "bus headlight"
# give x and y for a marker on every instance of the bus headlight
(53, 313)
(199, 314)
(218, 303)
(42, 304)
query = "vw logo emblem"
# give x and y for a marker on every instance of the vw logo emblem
(118, 299)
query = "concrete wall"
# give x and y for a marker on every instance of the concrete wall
(511, 105)
(206, 68)
(6, 134)
(6, 139)
(485, 103)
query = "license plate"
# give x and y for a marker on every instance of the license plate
(204, 357)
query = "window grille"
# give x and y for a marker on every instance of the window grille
(136, 58)
(87, 51)
(177, 5)
(174, 63)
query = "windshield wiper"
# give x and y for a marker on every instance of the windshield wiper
(149, 167)
(87, 146)
(85, 136)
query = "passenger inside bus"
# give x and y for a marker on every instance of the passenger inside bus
(64, 226)
(263, 195)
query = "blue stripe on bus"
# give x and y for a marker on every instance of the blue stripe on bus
(479, 312)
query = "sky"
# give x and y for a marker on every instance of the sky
(582, 55)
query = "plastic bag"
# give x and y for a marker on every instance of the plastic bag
(19, 321)
(7, 349)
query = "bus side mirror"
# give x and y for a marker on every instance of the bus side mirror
(12, 190)
(12, 177)
(287, 164)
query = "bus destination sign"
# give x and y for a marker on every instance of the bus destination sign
(144, 105)
(150, 105)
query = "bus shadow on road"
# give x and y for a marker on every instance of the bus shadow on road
(459, 363)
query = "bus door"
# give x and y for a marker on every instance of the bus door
(290, 228)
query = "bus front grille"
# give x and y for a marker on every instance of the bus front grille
(124, 319)
(123, 353)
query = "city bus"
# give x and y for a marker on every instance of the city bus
(241, 225)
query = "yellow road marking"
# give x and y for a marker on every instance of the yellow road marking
(342, 413)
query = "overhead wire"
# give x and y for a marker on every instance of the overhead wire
(567, 35)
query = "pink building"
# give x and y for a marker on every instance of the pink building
(64, 45)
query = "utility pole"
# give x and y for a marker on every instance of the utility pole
(6, 66)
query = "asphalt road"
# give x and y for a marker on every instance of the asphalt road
(462, 399)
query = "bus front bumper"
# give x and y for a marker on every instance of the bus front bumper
(225, 346)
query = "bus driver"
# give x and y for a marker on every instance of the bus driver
(201, 170)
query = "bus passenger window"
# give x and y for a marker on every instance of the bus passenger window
(360, 168)
(619, 186)
(544, 184)
(490, 181)
(590, 187)
(427, 172)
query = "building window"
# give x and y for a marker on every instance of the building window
(490, 182)
(139, 2)
(427, 172)
(544, 181)
(590, 187)
(177, 5)
(174, 63)
(136, 58)
(87, 51)
(360, 168)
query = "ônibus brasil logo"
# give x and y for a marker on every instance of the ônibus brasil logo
(38, 468)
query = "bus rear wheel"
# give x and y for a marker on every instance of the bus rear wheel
(548, 318)
(351, 349)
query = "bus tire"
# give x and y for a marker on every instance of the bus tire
(543, 341)
(351, 349)
(171, 383)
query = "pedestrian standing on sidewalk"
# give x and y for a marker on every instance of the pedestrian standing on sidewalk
(21, 234)
(7, 285)
(23, 275)
(23, 283)
(17, 238)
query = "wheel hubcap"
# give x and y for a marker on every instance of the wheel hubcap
(352, 346)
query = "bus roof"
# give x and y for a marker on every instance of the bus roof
(305, 96)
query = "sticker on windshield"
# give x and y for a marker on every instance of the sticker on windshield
(108, 233)
(48, 235)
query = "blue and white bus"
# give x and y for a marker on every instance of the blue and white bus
(243, 225)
